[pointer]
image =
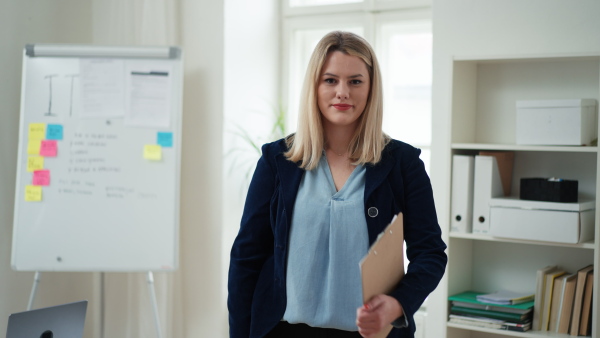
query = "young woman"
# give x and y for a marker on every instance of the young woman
(319, 198)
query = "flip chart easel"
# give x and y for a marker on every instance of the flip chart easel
(151, 293)
(98, 161)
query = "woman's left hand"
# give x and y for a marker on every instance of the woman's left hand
(376, 314)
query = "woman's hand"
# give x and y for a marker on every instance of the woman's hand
(376, 314)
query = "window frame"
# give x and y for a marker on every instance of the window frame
(371, 15)
(364, 6)
(417, 17)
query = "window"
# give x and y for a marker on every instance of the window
(404, 50)
(302, 3)
(402, 40)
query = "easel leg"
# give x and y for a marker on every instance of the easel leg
(36, 281)
(154, 304)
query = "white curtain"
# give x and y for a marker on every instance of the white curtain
(136, 22)
(126, 307)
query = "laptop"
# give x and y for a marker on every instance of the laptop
(60, 321)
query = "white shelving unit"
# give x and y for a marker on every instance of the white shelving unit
(484, 94)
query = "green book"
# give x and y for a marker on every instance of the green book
(469, 299)
(512, 317)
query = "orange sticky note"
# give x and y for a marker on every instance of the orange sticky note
(33, 193)
(153, 152)
(37, 131)
(35, 163)
(41, 177)
(48, 148)
(33, 147)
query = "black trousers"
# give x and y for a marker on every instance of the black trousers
(287, 330)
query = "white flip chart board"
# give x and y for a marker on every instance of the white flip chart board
(97, 185)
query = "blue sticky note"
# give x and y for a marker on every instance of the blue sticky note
(54, 132)
(164, 139)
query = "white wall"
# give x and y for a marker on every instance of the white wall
(251, 97)
(202, 37)
(493, 28)
(22, 22)
(231, 78)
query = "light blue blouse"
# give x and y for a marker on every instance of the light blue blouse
(328, 238)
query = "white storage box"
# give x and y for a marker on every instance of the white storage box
(556, 122)
(542, 221)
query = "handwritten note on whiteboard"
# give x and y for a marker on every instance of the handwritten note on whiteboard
(54, 132)
(33, 147)
(35, 163)
(37, 131)
(49, 148)
(41, 177)
(164, 139)
(152, 152)
(33, 193)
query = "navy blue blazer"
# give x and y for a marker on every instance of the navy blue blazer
(257, 271)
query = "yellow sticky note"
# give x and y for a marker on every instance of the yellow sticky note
(33, 147)
(37, 131)
(35, 163)
(33, 193)
(153, 152)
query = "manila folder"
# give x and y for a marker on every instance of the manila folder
(382, 268)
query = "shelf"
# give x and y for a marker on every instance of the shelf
(528, 334)
(515, 147)
(484, 90)
(529, 57)
(586, 245)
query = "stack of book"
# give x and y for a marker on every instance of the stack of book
(506, 297)
(563, 300)
(497, 312)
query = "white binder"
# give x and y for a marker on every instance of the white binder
(462, 193)
(486, 185)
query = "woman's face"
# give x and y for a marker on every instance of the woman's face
(343, 89)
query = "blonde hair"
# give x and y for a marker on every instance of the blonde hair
(306, 145)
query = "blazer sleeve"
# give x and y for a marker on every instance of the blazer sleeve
(251, 248)
(425, 248)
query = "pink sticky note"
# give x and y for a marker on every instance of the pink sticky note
(48, 148)
(41, 177)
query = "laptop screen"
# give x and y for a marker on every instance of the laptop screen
(60, 321)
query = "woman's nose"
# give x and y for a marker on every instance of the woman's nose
(342, 92)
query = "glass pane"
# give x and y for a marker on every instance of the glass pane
(303, 43)
(405, 51)
(302, 3)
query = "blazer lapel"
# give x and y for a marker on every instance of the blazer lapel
(377, 173)
(290, 176)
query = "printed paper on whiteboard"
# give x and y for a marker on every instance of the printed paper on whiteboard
(102, 88)
(148, 95)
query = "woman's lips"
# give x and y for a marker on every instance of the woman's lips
(342, 106)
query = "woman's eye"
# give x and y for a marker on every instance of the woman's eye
(356, 82)
(330, 81)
